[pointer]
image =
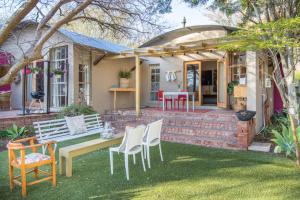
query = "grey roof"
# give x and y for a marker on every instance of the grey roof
(168, 36)
(93, 42)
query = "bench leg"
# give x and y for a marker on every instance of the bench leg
(62, 163)
(69, 167)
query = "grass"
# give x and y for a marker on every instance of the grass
(188, 172)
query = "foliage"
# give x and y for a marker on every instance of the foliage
(75, 109)
(34, 70)
(124, 74)
(15, 132)
(58, 72)
(285, 141)
(272, 35)
(230, 87)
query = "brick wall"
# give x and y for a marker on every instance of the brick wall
(24, 120)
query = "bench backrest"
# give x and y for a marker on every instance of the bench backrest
(50, 129)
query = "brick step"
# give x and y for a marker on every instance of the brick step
(199, 132)
(201, 141)
(190, 124)
(204, 117)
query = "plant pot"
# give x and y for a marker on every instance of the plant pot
(124, 83)
(245, 115)
(58, 75)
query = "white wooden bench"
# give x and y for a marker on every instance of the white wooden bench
(58, 130)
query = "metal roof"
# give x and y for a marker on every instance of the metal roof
(168, 36)
(93, 42)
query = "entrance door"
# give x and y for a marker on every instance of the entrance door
(192, 83)
(221, 85)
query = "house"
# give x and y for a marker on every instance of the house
(190, 55)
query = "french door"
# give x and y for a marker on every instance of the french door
(192, 82)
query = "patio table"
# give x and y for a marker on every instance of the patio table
(180, 93)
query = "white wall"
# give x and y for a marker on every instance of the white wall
(254, 89)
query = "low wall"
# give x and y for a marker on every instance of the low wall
(24, 120)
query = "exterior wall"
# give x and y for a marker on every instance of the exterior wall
(255, 91)
(171, 64)
(104, 76)
(20, 42)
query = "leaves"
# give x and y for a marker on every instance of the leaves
(285, 141)
(15, 132)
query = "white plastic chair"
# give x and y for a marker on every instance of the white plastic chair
(131, 145)
(152, 138)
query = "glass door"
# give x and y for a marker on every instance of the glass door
(192, 82)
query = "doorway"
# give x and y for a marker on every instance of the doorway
(192, 83)
(209, 82)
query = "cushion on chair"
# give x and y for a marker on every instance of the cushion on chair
(34, 158)
(76, 124)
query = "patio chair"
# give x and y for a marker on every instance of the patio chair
(160, 99)
(131, 145)
(180, 98)
(152, 138)
(30, 161)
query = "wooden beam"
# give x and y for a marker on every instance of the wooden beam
(137, 85)
(98, 59)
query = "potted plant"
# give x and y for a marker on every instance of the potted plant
(58, 73)
(230, 89)
(35, 70)
(124, 78)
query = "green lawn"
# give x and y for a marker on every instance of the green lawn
(188, 172)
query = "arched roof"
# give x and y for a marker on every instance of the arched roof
(181, 32)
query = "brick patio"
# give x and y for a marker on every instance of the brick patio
(212, 128)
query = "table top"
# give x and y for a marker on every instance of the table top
(178, 93)
(122, 89)
(90, 143)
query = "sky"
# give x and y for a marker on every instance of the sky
(194, 16)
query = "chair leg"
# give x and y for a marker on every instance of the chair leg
(126, 166)
(148, 156)
(145, 152)
(23, 180)
(36, 172)
(111, 162)
(54, 173)
(133, 158)
(143, 162)
(11, 177)
(160, 151)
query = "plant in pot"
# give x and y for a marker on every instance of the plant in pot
(58, 73)
(35, 70)
(124, 78)
(230, 89)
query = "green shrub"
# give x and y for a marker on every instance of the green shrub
(285, 141)
(76, 109)
(124, 74)
(15, 132)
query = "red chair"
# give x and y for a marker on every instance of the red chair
(167, 99)
(179, 98)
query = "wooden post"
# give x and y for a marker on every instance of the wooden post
(137, 86)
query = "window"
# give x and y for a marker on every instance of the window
(239, 68)
(155, 81)
(59, 86)
(84, 84)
